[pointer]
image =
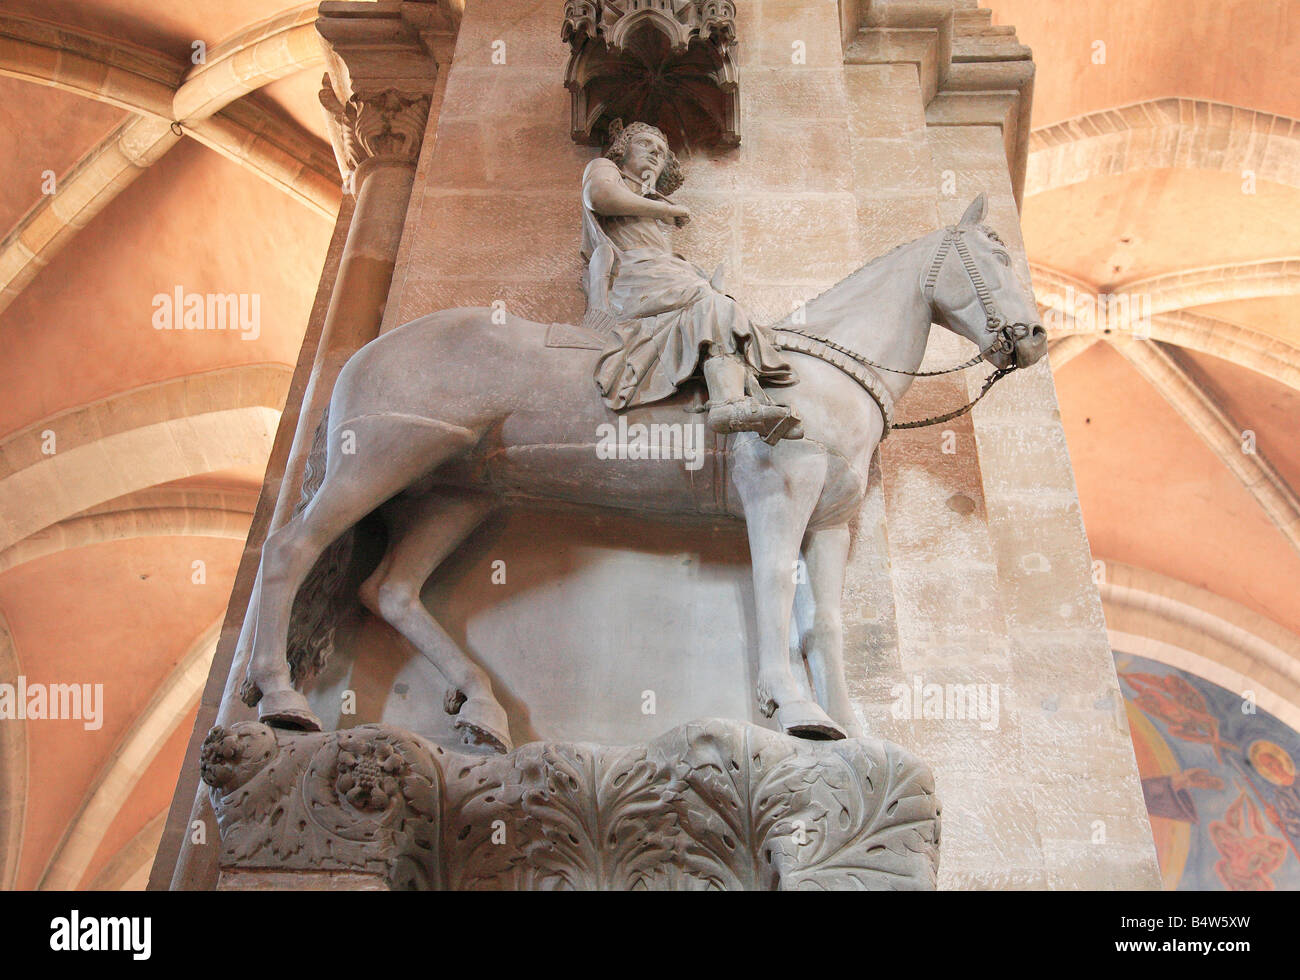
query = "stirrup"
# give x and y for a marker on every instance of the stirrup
(773, 422)
(789, 427)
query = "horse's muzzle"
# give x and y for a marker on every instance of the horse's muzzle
(1031, 347)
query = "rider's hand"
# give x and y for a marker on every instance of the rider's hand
(679, 215)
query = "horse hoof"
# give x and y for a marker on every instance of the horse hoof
(803, 719)
(287, 709)
(482, 721)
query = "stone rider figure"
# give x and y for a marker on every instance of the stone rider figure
(665, 316)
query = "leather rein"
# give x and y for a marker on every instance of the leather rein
(862, 369)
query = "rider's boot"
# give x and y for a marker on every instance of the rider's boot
(732, 410)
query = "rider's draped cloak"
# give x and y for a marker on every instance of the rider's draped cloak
(667, 310)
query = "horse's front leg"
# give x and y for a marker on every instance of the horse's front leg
(826, 552)
(778, 489)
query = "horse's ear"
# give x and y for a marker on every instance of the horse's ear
(978, 209)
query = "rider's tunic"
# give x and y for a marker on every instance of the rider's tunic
(667, 310)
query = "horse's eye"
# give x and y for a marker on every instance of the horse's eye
(1004, 258)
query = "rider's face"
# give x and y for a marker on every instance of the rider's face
(646, 157)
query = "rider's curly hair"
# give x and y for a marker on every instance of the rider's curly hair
(672, 177)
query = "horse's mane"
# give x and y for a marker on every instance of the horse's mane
(986, 229)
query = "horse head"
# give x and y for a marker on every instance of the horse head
(973, 291)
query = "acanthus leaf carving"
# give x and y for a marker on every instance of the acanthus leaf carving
(386, 123)
(484, 823)
(745, 795)
(710, 805)
(881, 826)
(602, 817)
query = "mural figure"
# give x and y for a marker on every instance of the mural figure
(1171, 797)
(1250, 855)
(1219, 782)
(1174, 700)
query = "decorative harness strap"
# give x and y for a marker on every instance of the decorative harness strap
(862, 369)
(844, 359)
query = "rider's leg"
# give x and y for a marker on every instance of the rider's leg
(731, 409)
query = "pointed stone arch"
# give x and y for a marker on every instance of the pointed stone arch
(1160, 134)
(137, 439)
(168, 102)
(129, 867)
(128, 761)
(176, 514)
(1264, 354)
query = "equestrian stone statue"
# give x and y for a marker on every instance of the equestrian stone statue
(416, 433)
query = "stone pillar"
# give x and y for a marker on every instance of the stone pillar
(384, 62)
(938, 557)
(383, 77)
(1079, 777)
(988, 560)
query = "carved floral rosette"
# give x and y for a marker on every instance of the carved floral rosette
(709, 805)
(365, 800)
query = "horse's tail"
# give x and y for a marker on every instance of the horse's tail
(320, 603)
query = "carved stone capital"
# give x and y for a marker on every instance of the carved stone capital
(383, 62)
(712, 805)
(380, 124)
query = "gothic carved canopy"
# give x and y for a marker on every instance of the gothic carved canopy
(666, 62)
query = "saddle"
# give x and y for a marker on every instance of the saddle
(580, 338)
(567, 335)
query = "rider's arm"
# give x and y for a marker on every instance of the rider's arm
(605, 193)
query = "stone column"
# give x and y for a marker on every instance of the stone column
(383, 76)
(1089, 824)
(384, 64)
(987, 555)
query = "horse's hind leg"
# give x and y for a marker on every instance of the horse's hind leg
(826, 551)
(393, 456)
(423, 533)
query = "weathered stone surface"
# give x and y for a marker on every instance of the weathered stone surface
(713, 805)
(788, 34)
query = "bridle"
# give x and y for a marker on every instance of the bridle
(1008, 333)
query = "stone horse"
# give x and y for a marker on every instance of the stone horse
(438, 423)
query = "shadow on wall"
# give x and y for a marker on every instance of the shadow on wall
(1219, 777)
